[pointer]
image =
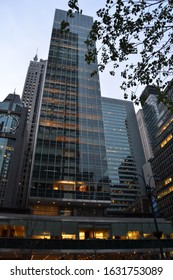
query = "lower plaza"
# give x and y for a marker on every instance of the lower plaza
(39, 237)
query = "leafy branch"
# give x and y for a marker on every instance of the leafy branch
(130, 30)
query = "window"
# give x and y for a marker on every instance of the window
(165, 141)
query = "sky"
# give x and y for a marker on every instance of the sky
(25, 29)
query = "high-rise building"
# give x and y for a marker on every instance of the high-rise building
(124, 153)
(160, 133)
(151, 112)
(31, 98)
(162, 163)
(12, 140)
(69, 187)
(69, 173)
(144, 135)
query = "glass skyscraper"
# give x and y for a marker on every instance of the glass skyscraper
(144, 135)
(12, 140)
(124, 153)
(66, 217)
(70, 166)
(152, 112)
(161, 131)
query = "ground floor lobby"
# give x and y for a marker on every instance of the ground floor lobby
(27, 236)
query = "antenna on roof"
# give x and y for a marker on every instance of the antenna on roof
(36, 56)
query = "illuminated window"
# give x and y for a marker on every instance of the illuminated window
(12, 231)
(65, 185)
(165, 141)
(82, 188)
(93, 233)
(44, 235)
(133, 235)
(165, 126)
(169, 190)
(68, 236)
(167, 181)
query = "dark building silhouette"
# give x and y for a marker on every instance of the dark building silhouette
(13, 118)
(160, 134)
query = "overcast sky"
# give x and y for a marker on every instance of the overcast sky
(25, 26)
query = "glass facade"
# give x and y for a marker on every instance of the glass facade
(10, 114)
(123, 163)
(23, 236)
(59, 228)
(159, 122)
(162, 163)
(152, 112)
(70, 156)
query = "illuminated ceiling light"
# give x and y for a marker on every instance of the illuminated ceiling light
(66, 182)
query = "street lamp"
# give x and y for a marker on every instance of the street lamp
(149, 192)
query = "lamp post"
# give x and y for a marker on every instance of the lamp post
(149, 193)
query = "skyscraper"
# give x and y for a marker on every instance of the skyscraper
(124, 153)
(69, 186)
(159, 126)
(144, 135)
(151, 112)
(31, 98)
(12, 140)
(70, 167)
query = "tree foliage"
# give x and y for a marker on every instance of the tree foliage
(136, 34)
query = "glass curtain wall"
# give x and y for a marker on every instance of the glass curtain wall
(70, 158)
(120, 153)
(9, 121)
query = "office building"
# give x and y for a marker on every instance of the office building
(12, 140)
(125, 154)
(70, 185)
(159, 127)
(31, 98)
(162, 164)
(69, 173)
(144, 135)
(152, 112)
